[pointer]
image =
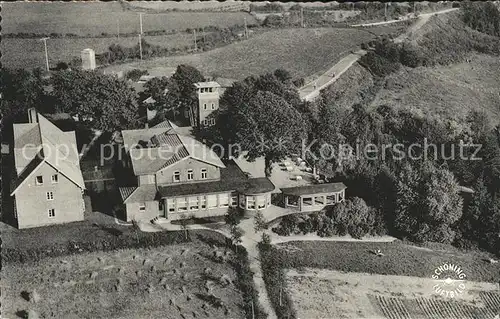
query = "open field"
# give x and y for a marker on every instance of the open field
(132, 283)
(301, 51)
(93, 18)
(333, 294)
(65, 49)
(400, 259)
(447, 91)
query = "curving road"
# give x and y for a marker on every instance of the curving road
(311, 90)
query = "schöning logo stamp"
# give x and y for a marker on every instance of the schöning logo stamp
(450, 280)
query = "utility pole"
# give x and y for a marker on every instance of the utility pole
(246, 29)
(140, 45)
(302, 17)
(140, 19)
(195, 44)
(46, 54)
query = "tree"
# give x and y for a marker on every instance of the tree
(352, 217)
(236, 234)
(260, 222)
(101, 101)
(233, 216)
(428, 203)
(20, 90)
(135, 74)
(282, 75)
(268, 126)
(184, 221)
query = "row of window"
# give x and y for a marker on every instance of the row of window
(212, 105)
(54, 179)
(204, 90)
(190, 175)
(193, 203)
(207, 122)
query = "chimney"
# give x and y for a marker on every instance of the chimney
(32, 116)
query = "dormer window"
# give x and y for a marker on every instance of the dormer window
(39, 180)
(177, 176)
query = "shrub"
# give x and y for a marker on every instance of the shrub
(135, 74)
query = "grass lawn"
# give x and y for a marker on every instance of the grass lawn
(164, 282)
(65, 49)
(400, 259)
(98, 17)
(303, 52)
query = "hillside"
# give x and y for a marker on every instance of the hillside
(449, 86)
(447, 91)
(301, 51)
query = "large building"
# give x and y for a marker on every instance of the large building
(179, 177)
(48, 183)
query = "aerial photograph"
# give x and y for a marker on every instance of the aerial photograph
(250, 160)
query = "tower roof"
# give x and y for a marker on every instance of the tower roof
(210, 84)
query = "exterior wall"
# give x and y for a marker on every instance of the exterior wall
(145, 179)
(32, 205)
(165, 176)
(134, 213)
(213, 205)
(208, 99)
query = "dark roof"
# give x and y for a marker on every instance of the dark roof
(141, 194)
(314, 189)
(232, 179)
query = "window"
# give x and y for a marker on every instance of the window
(210, 89)
(234, 199)
(54, 178)
(204, 106)
(177, 176)
(190, 175)
(243, 201)
(204, 173)
(160, 205)
(142, 207)
(205, 122)
(293, 200)
(52, 213)
(307, 201)
(193, 203)
(213, 106)
(331, 199)
(212, 121)
(223, 200)
(250, 202)
(171, 204)
(261, 202)
(203, 203)
(181, 204)
(319, 200)
(212, 201)
(39, 180)
(50, 195)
